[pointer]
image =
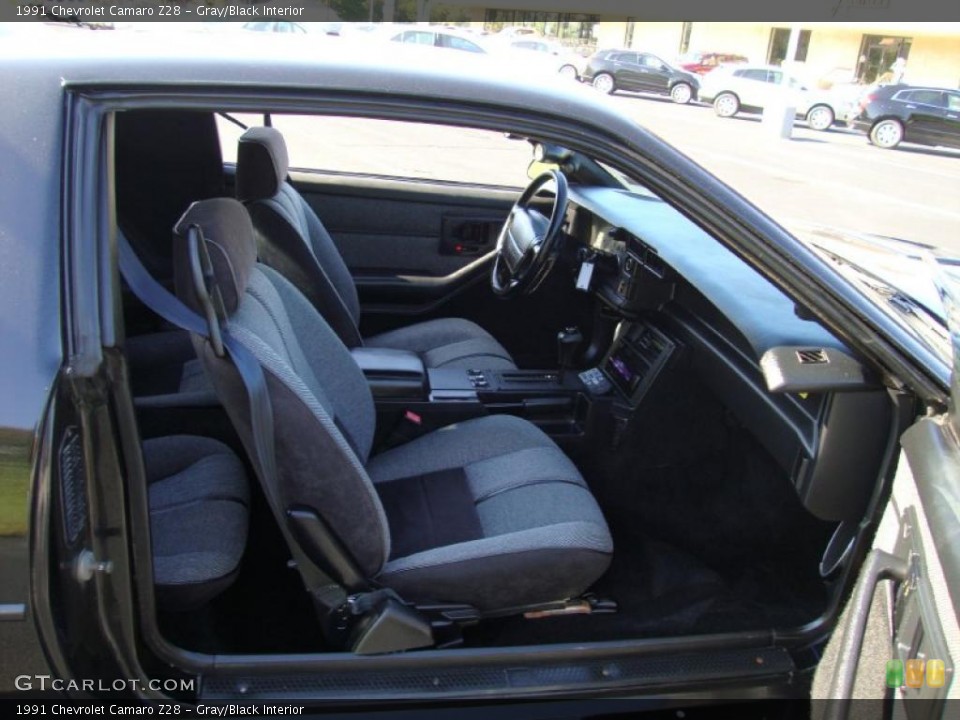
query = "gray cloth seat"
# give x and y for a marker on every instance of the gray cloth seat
(488, 512)
(526, 526)
(293, 241)
(199, 509)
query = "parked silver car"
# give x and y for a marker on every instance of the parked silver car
(751, 88)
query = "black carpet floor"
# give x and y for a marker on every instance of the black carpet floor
(709, 535)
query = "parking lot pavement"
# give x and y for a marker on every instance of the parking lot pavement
(833, 178)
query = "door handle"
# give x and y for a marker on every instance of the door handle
(879, 565)
(468, 237)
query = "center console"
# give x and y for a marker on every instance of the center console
(412, 400)
(639, 354)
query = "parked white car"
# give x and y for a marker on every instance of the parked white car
(507, 53)
(736, 88)
(569, 64)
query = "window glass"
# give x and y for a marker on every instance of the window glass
(459, 43)
(760, 75)
(388, 148)
(953, 101)
(651, 62)
(927, 97)
(417, 37)
(774, 76)
(780, 42)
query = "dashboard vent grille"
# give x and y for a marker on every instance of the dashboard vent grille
(812, 357)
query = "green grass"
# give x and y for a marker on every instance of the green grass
(14, 486)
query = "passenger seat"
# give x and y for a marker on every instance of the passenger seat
(293, 241)
(199, 510)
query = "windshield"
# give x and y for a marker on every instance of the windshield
(909, 292)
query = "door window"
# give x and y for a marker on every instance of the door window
(953, 102)
(926, 97)
(758, 75)
(651, 61)
(458, 43)
(416, 37)
(389, 148)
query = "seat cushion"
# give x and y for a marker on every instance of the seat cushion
(489, 512)
(447, 343)
(199, 500)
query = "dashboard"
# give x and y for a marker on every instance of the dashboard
(645, 249)
(681, 296)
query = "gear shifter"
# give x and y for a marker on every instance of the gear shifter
(569, 341)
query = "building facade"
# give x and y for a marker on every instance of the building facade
(859, 50)
(866, 52)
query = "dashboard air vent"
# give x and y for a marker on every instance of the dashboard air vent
(812, 356)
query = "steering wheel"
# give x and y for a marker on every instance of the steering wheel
(529, 241)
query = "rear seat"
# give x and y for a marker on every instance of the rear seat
(199, 512)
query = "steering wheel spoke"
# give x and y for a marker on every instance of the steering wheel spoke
(529, 241)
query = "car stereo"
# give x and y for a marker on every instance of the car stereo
(638, 355)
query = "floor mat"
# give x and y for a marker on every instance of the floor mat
(709, 535)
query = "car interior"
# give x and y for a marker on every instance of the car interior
(495, 416)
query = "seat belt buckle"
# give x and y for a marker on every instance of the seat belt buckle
(408, 427)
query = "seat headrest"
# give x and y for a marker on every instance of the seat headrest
(262, 164)
(228, 232)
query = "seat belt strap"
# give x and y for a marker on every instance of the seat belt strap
(157, 298)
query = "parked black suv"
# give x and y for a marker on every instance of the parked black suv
(612, 70)
(902, 113)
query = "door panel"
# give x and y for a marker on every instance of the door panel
(627, 72)
(900, 628)
(388, 228)
(655, 75)
(951, 128)
(926, 115)
(410, 245)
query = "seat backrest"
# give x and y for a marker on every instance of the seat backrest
(323, 413)
(165, 160)
(290, 236)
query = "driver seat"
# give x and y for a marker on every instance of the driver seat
(292, 240)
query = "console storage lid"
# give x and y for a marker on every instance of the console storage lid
(392, 373)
